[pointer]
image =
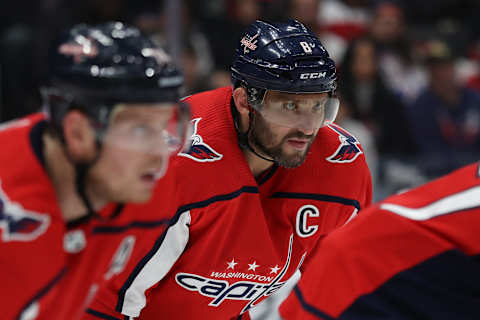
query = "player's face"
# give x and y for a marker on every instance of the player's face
(288, 126)
(134, 154)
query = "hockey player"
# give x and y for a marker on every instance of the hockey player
(267, 175)
(411, 256)
(112, 120)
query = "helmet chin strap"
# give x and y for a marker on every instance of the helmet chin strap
(81, 173)
(243, 137)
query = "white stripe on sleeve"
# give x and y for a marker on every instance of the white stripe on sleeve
(158, 266)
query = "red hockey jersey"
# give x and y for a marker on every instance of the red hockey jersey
(32, 258)
(411, 256)
(51, 268)
(110, 243)
(233, 240)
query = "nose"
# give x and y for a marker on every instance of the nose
(307, 126)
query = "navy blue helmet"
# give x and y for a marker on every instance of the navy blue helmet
(285, 57)
(92, 68)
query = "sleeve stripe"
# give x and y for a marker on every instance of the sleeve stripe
(134, 224)
(354, 214)
(319, 197)
(101, 315)
(308, 307)
(154, 267)
(41, 293)
(217, 198)
(465, 200)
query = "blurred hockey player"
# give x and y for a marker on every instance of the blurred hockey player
(267, 175)
(112, 120)
(411, 256)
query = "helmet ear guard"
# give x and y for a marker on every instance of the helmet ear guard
(255, 96)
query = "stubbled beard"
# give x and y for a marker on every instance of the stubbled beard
(261, 138)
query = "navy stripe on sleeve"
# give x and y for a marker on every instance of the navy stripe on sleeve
(100, 315)
(319, 197)
(308, 307)
(134, 224)
(43, 291)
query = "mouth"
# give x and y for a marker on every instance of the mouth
(151, 177)
(298, 144)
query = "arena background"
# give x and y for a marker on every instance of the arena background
(401, 64)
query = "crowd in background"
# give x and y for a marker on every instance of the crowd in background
(409, 71)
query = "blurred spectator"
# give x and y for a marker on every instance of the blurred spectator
(196, 79)
(340, 21)
(305, 11)
(346, 18)
(446, 116)
(400, 71)
(219, 78)
(363, 134)
(197, 42)
(196, 57)
(474, 80)
(429, 12)
(372, 102)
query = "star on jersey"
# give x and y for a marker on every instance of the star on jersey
(253, 266)
(274, 269)
(231, 264)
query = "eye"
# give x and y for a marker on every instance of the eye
(317, 107)
(140, 130)
(290, 106)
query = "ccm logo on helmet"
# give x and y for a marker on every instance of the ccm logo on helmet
(313, 75)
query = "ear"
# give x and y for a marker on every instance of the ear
(241, 103)
(79, 136)
(240, 99)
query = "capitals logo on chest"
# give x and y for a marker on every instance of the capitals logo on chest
(220, 290)
(199, 150)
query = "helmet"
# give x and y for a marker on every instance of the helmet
(93, 68)
(284, 57)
